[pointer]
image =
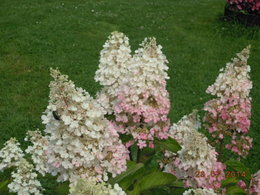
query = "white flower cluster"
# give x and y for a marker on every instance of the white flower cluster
(81, 142)
(86, 187)
(199, 191)
(235, 80)
(183, 127)
(113, 68)
(10, 154)
(141, 72)
(25, 180)
(148, 67)
(38, 150)
(196, 155)
(179, 131)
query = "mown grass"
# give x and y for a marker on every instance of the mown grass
(36, 35)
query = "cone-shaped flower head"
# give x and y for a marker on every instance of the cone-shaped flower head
(113, 68)
(82, 143)
(143, 102)
(24, 180)
(38, 150)
(229, 114)
(234, 80)
(196, 155)
(114, 60)
(10, 154)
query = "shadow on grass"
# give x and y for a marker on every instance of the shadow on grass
(233, 28)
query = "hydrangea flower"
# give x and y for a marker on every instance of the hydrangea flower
(229, 114)
(24, 180)
(38, 150)
(254, 187)
(197, 160)
(10, 154)
(86, 187)
(81, 142)
(113, 68)
(199, 191)
(142, 103)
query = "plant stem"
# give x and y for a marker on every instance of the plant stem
(130, 153)
(220, 149)
(138, 155)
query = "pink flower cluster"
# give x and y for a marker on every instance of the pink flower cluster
(252, 6)
(142, 104)
(204, 179)
(232, 111)
(254, 187)
(241, 146)
(135, 88)
(144, 121)
(229, 114)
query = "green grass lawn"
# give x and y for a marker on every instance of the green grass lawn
(36, 35)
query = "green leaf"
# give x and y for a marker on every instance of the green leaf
(229, 181)
(62, 189)
(177, 191)
(3, 183)
(153, 180)
(132, 167)
(168, 144)
(177, 183)
(155, 191)
(134, 151)
(156, 179)
(240, 167)
(129, 182)
(235, 190)
(125, 138)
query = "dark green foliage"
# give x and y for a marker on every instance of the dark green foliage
(168, 144)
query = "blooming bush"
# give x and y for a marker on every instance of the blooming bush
(229, 114)
(250, 6)
(122, 142)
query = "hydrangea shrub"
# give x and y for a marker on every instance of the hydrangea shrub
(82, 142)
